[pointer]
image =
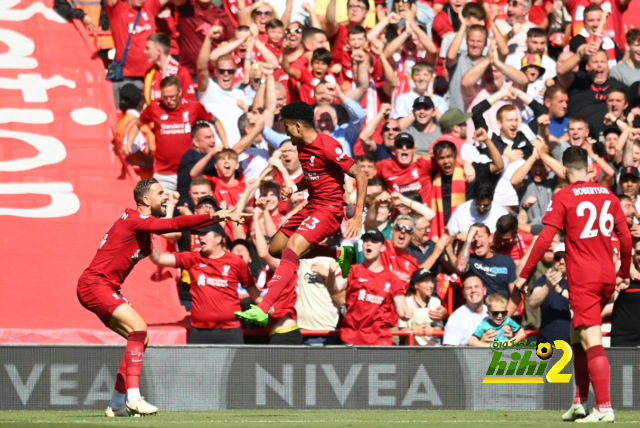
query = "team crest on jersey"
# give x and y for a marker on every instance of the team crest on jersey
(164, 117)
(362, 294)
(406, 265)
(387, 287)
(202, 280)
(313, 159)
(185, 116)
(225, 270)
(415, 173)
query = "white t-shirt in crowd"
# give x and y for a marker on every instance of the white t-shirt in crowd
(298, 14)
(404, 104)
(223, 105)
(315, 307)
(254, 160)
(466, 215)
(461, 325)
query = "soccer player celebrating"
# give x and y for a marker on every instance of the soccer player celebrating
(588, 212)
(127, 242)
(324, 164)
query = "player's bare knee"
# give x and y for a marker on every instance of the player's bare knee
(298, 244)
(275, 252)
(139, 325)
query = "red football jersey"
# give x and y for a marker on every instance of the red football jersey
(128, 241)
(214, 287)
(172, 129)
(369, 303)
(324, 164)
(588, 213)
(229, 194)
(397, 178)
(286, 302)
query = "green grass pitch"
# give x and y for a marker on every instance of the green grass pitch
(302, 418)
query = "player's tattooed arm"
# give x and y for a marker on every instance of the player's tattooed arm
(354, 171)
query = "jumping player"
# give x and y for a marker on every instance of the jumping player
(324, 164)
(127, 242)
(588, 212)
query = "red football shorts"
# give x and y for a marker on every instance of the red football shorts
(99, 298)
(314, 224)
(587, 302)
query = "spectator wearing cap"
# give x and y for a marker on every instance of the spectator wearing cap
(123, 15)
(163, 65)
(462, 323)
(531, 66)
(172, 118)
(424, 304)
(498, 271)
(421, 76)
(630, 185)
(422, 124)
(373, 292)
(516, 26)
(144, 146)
(509, 241)
(628, 71)
(453, 125)
(401, 173)
(215, 275)
(550, 294)
(626, 317)
(536, 44)
(203, 144)
(390, 129)
(532, 181)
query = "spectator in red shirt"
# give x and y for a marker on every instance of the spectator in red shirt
(401, 174)
(268, 203)
(447, 21)
(172, 118)
(122, 15)
(508, 241)
(157, 52)
(226, 187)
(295, 57)
(215, 274)
(261, 13)
(396, 257)
(307, 80)
(373, 292)
(195, 18)
(275, 34)
(613, 27)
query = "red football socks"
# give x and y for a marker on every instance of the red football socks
(287, 269)
(121, 385)
(599, 372)
(581, 376)
(134, 356)
(322, 251)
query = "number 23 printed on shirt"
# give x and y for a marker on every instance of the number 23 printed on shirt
(312, 224)
(605, 218)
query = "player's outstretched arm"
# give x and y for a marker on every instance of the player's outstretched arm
(354, 224)
(162, 259)
(542, 244)
(232, 215)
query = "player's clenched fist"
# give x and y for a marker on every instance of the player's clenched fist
(286, 193)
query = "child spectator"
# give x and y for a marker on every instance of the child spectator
(532, 68)
(420, 298)
(320, 62)
(275, 34)
(497, 318)
(421, 76)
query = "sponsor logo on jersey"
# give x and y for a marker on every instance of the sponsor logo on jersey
(393, 178)
(371, 298)
(311, 176)
(203, 265)
(214, 282)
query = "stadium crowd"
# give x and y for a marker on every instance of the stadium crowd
(457, 112)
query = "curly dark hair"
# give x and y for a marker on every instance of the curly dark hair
(298, 111)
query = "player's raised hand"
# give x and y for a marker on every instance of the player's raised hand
(354, 227)
(286, 193)
(232, 215)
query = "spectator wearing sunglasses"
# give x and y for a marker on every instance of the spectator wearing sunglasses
(516, 26)
(401, 174)
(219, 96)
(477, 210)
(295, 56)
(260, 14)
(396, 257)
(495, 321)
(390, 130)
(550, 294)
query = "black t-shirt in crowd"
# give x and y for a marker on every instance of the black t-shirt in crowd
(589, 100)
(446, 196)
(626, 317)
(496, 272)
(580, 40)
(189, 159)
(421, 257)
(555, 316)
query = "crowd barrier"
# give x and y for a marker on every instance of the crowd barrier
(204, 377)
